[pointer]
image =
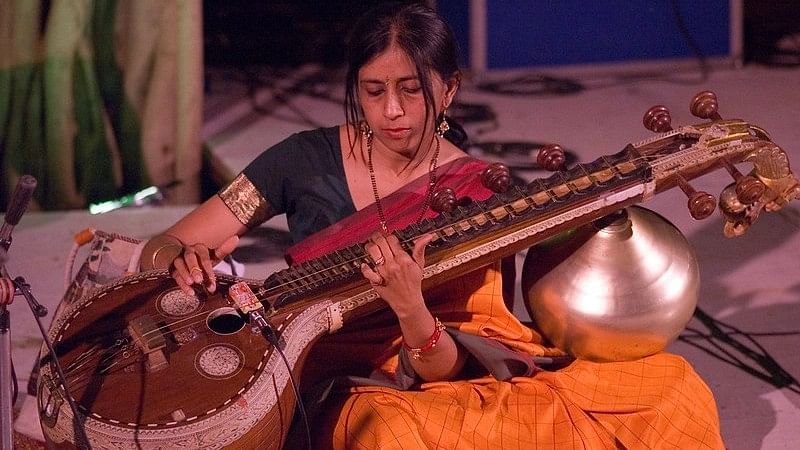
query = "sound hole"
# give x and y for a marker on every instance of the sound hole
(225, 321)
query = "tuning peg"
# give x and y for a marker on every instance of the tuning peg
(748, 188)
(704, 105)
(736, 213)
(657, 119)
(443, 200)
(496, 177)
(551, 157)
(701, 204)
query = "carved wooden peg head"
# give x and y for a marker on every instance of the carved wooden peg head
(551, 157)
(704, 105)
(443, 200)
(701, 204)
(748, 188)
(657, 119)
(496, 177)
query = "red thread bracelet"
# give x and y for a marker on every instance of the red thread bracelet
(416, 353)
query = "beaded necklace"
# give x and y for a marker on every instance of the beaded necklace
(434, 164)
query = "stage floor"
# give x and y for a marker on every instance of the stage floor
(744, 338)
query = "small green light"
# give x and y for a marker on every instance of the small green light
(127, 200)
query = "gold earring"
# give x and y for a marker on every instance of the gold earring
(366, 131)
(443, 126)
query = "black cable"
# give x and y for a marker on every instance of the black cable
(778, 378)
(720, 333)
(81, 432)
(254, 79)
(5, 328)
(471, 113)
(279, 97)
(282, 96)
(690, 41)
(791, 215)
(466, 113)
(750, 334)
(532, 84)
(15, 384)
(229, 259)
(537, 84)
(272, 338)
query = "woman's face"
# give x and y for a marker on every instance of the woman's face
(390, 95)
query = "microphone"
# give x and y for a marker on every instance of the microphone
(248, 303)
(16, 207)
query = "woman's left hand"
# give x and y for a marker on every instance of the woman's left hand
(395, 275)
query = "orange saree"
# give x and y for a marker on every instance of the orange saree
(655, 402)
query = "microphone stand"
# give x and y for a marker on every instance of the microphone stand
(6, 373)
(6, 380)
(16, 207)
(8, 290)
(21, 287)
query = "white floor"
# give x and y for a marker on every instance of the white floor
(751, 283)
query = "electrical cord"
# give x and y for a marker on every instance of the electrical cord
(747, 355)
(305, 84)
(542, 85)
(785, 52)
(14, 383)
(273, 339)
(465, 113)
(82, 440)
(471, 113)
(532, 84)
(691, 42)
(689, 38)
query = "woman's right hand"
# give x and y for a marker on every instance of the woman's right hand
(195, 265)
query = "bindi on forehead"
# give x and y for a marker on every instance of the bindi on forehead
(390, 66)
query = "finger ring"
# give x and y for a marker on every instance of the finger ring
(197, 269)
(379, 260)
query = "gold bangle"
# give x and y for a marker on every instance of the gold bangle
(158, 250)
(165, 241)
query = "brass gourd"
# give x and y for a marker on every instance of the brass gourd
(620, 288)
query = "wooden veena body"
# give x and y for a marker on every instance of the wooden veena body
(150, 367)
(212, 390)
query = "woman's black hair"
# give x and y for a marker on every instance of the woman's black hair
(418, 31)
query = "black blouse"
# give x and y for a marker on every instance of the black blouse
(303, 177)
